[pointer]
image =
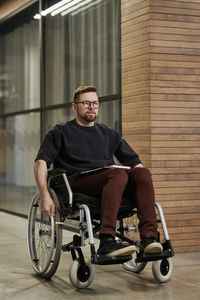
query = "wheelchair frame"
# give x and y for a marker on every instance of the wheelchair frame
(45, 239)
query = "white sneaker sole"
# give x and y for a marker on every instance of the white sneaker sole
(124, 251)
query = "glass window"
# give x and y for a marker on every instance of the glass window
(19, 62)
(20, 139)
(110, 114)
(82, 45)
(55, 116)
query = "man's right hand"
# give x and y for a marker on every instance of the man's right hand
(47, 205)
(46, 202)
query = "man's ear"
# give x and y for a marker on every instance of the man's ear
(74, 107)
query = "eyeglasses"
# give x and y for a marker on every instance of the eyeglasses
(87, 104)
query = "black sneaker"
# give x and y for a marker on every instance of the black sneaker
(150, 245)
(110, 247)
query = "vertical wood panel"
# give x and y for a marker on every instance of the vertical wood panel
(161, 107)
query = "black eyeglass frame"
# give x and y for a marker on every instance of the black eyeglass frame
(88, 104)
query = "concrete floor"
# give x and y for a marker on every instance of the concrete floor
(18, 280)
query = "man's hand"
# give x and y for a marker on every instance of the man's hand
(47, 205)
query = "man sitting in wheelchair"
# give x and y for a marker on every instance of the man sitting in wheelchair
(81, 146)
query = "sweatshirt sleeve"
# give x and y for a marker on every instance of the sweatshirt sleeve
(126, 155)
(50, 146)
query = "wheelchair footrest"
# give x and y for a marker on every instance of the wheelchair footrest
(142, 257)
(112, 260)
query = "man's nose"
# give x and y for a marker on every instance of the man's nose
(91, 105)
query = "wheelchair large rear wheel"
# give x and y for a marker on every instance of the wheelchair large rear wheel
(134, 267)
(44, 238)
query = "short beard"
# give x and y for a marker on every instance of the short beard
(89, 118)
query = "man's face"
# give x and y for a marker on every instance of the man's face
(86, 110)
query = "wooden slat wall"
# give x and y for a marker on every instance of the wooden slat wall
(175, 115)
(136, 108)
(161, 113)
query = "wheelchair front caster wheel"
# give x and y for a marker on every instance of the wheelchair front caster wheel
(79, 276)
(162, 269)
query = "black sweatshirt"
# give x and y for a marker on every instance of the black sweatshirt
(77, 148)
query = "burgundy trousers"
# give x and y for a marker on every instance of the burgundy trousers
(110, 185)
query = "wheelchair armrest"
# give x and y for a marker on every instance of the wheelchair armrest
(58, 177)
(55, 172)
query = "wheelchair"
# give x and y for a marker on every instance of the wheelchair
(45, 236)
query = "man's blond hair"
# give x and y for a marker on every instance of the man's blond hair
(83, 89)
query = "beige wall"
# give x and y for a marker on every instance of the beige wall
(161, 106)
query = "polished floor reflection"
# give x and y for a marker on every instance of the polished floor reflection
(18, 280)
(16, 199)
